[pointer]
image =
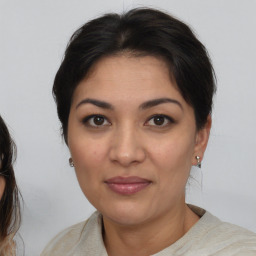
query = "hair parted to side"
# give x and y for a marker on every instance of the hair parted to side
(10, 216)
(139, 32)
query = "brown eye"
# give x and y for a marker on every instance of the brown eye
(98, 120)
(158, 120)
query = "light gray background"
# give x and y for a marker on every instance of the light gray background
(33, 36)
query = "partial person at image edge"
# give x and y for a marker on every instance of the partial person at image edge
(9, 195)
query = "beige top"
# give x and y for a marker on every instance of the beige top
(209, 236)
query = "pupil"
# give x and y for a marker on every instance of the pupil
(159, 120)
(98, 120)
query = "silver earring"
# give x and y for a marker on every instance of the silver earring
(198, 161)
(71, 163)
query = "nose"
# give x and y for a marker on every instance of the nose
(127, 147)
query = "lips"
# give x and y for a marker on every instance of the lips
(127, 185)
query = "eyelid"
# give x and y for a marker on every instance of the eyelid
(86, 120)
(170, 120)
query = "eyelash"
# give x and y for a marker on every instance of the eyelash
(167, 121)
(86, 121)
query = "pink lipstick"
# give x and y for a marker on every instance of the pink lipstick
(127, 185)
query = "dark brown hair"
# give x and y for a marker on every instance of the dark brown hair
(9, 204)
(143, 32)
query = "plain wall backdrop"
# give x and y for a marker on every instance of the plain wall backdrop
(33, 36)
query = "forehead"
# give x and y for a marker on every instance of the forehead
(125, 76)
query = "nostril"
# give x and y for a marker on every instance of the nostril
(127, 157)
(126, 146)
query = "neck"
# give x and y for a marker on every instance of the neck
(150, 237)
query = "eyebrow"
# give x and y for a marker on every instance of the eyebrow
(98, 103)
(145, 105)
(155, 102)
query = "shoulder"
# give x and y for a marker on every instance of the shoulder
(232, 238)
(66, 240)
(224, 228)
(211, 236)
(222, 238)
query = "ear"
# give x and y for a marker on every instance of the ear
(202, 137)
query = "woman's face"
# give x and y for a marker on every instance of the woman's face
(133, 139)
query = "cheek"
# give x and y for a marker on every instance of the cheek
(172, 157)
(175, 152)
(2, 186)
(173, 165)
(86, 152)
(88, 157)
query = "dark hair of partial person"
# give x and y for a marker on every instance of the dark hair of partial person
(139, 32)
(10, 216)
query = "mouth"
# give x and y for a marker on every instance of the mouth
(127, 185)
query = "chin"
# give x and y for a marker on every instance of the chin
(125, 215)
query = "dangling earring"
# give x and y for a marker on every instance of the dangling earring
(198, 161)
(71, 163)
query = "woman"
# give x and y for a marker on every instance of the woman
(9, 194)
(134, 96)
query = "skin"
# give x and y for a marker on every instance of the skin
(2, 186)
(130, 142)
